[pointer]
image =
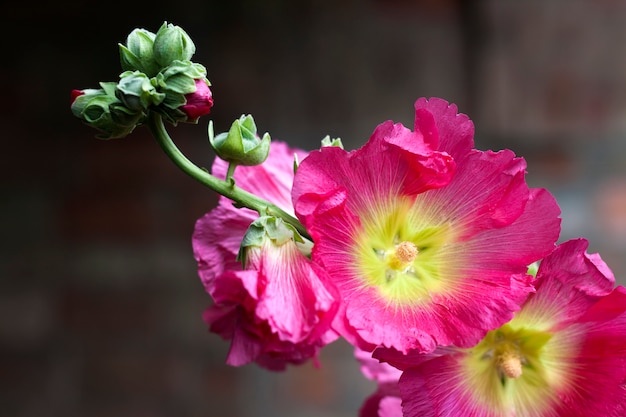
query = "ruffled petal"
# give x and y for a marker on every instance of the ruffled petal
(571, 281)
(444, 128)
(474, 233)
(571, 340)
(216, 240)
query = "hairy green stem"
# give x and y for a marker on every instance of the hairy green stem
(241, 197)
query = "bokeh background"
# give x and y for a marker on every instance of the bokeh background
(100, 304)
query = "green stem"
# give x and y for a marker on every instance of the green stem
(231, 172)
(225, 188)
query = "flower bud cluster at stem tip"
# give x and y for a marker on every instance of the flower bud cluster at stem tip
(159, 83)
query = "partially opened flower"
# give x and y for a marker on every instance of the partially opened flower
(278, 309)
(563, 354)
(427, 240)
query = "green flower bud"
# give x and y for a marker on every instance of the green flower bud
(241, 144)
(136, 91)
(172, 44)
(137, 54)
(102, 110)
(179, 83)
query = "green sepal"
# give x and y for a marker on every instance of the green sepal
(264, 229)
(328, 141)
(102, 110)
(175, 81)
(172, 43)
(137, 54)
(137, 92)
(241, 145)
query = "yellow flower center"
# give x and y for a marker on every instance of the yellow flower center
(512, 368)
(406, 251)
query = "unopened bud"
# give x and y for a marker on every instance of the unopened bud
(172, 43)
(137, 54)
(241, 144)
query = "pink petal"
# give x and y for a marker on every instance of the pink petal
(500, 227)
(298, 300)
(216, 240)
(569, 282)
(444, 128)
(436, 389)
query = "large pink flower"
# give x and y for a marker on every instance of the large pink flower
(427, 240)
(279, 308)
(563, 354)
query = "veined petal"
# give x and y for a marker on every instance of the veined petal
(298, 300)
(422, 258)
(437, 389)
(546, 362)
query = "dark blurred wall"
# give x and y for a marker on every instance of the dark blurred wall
(100, 304)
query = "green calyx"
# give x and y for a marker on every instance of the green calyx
(137, 91)
(267, 229)
(241, 145)
(102, 110)
(175, 82)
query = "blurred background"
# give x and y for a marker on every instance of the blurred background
(100, 304)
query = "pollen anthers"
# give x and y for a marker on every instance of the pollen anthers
(401, 256)
(511, 352)
(503, 348)
(509, 362)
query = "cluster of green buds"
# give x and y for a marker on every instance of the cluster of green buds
(158, 76)
(160, 83)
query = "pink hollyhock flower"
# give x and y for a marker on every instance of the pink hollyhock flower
(385, 402)
(279, 308)
(198, 103)
(563, 354)
(427, 240)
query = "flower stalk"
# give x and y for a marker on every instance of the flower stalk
(226, 188)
